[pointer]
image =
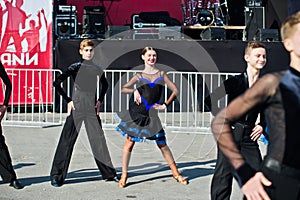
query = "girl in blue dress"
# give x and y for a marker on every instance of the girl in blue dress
(141, 121)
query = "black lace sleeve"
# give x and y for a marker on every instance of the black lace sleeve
(263, 89)
(7, 82)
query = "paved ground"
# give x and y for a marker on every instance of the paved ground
(32, 150)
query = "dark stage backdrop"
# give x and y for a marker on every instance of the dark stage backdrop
(179, 55)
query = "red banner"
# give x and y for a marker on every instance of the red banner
(26, 46)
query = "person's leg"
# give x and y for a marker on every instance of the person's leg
(127, 149)
(99, 147)
(170, 161)
(251, 152)
(221, 184)
(64, 151)
(6, 168)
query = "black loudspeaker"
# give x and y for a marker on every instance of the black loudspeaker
(93, 21)
(65, 25)
(235, 10)
(267, 35)
(254, 20)
(213, 33)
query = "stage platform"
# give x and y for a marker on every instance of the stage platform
(179, 55)
(225, 27)
(231, 32)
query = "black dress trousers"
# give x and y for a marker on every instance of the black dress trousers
(84, 104)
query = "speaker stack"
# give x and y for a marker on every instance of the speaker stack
(213, 33)
(254, 20)
(66, 21)
(93, 22)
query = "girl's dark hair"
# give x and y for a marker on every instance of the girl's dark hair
(146, 49)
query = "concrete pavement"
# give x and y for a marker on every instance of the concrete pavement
(32, 150)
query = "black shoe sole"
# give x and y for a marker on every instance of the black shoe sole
(55, 183)
(16, 184)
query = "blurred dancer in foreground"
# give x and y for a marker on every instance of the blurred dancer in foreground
(279, 94)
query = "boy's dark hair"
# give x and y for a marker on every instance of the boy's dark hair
(253, 45)
(86, 43)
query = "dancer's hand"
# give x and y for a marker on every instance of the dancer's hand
(254, 190)
(2, 111)
(256, 132)
(97, 107)
(70, 108)
(159, 106)
(137, 97)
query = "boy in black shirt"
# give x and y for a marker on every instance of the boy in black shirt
(82, 107)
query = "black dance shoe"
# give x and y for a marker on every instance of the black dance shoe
(115, 179)
(56, 183)
(16, 184)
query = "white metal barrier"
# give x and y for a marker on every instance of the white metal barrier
(187, 113)
(34, 102)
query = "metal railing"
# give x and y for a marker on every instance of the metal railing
(35, 102)
(187, 113)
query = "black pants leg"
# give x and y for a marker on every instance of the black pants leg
(64, 149)
(6, 169)
(99, 147)
(251, 152)
(221, 185)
